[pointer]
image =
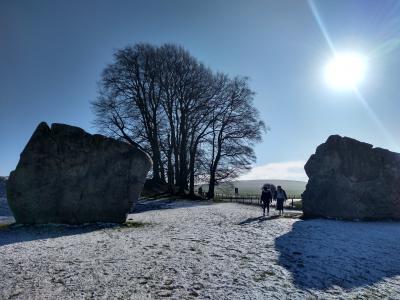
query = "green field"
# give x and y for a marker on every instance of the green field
(293, 188)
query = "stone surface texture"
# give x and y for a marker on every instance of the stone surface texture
(349, 179)
(66, 175)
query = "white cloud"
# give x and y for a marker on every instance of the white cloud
(290, 170)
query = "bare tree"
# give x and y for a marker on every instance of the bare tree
(235, 129)
(187, 117)
(129, 105)
(188, 89)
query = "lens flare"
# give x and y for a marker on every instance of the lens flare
(345, 70)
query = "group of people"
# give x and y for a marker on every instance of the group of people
(268, 194)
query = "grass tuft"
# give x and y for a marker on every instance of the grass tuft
(133, 224)
(5, 226)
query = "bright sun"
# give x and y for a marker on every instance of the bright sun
(345, 70)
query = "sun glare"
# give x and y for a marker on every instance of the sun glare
(345, 71)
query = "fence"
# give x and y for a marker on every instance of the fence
(292, 202)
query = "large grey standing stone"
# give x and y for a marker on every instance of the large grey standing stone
(66, 175)
(349, 179)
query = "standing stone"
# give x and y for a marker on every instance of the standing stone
(66, 175)
(349, 179)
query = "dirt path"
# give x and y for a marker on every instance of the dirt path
(221, 251)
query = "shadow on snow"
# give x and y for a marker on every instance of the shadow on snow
(258, 219)
(147, 205)
(321, 254)
(26, 233)
(10, 234)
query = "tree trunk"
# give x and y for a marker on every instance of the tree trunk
(155, 149)
(170, 172)
(211, 186)
(213, 169)
(162, 172)
(191, 172)
(183, 180)
(156, 167)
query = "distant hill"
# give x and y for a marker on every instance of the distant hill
(253, 187)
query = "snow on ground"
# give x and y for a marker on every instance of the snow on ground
(194, 250)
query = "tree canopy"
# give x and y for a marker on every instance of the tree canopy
(196, 124)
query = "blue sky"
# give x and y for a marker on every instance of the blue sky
(52, 53)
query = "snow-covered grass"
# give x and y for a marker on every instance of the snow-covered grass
(197, 250)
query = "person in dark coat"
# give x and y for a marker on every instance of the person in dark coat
(266, 199)
(281, 197)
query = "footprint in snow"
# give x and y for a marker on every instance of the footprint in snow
(164, 293)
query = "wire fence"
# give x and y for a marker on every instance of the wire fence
(292, 201)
